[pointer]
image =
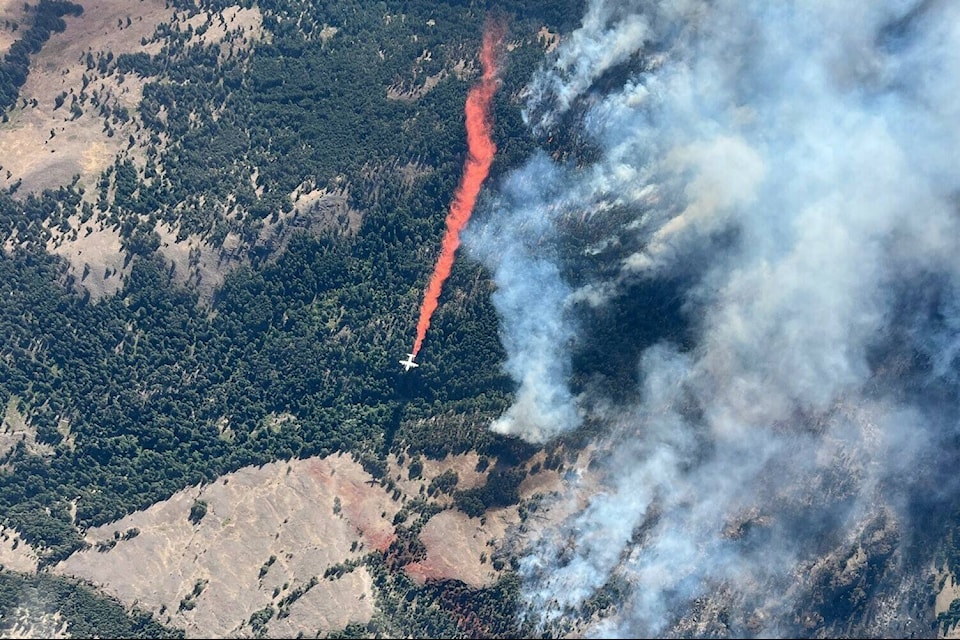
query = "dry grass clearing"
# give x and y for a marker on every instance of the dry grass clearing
(949, 592)
(314, 210)
(460, 547)
(307, 515)
(464, 465)
(45, 146)
(269, 531)
(94, 253)
(247, 21)
(548, 39)
(34, 621)
(73, 121)
(11, 12)
(15, 554)
(195, 261)
(411, 90)
(15, 428)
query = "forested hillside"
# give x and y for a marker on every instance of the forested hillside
(139, 394)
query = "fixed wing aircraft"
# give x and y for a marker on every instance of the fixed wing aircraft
(409, 363)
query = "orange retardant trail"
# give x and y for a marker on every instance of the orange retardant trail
(475, 170)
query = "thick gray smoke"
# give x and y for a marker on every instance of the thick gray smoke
(788, 170)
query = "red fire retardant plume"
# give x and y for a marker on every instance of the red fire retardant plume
(475, 170)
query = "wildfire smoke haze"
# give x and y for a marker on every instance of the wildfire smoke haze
(481, 150)
(745, 294)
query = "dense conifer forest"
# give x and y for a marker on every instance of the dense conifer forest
(142, 393)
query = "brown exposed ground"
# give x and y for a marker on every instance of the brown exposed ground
(460, 547)
(33, 621)
(314, 210)
(11, 12)
(15, 554)
(306, 514)
(48, 146)
(219, 24)
(95, 255)
(195, 261)
(946, 595)
(309, 516)
(554, 497)
(15, 428)
(45, 146)
(454, 542)
(33, 617)
(464, 465)
(418, 85)
(548, 39)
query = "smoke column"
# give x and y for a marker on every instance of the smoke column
(735, 306)
(481, 150)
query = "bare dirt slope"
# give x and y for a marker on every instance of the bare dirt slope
(462, 547)
(948, 592)
(270, 534)
(32, 621)
(77, 115)
(15, 428)
(457, 545)
(12, 19)
(46, 145)
(15, 554)
(94, 251)
(307, 515)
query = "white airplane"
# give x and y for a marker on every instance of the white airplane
(409, 363)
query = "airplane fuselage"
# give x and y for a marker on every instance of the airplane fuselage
(409, 363)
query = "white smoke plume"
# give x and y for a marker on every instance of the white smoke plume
(536, 341)
(788, 170)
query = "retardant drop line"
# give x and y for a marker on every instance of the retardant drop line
(481, 150)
